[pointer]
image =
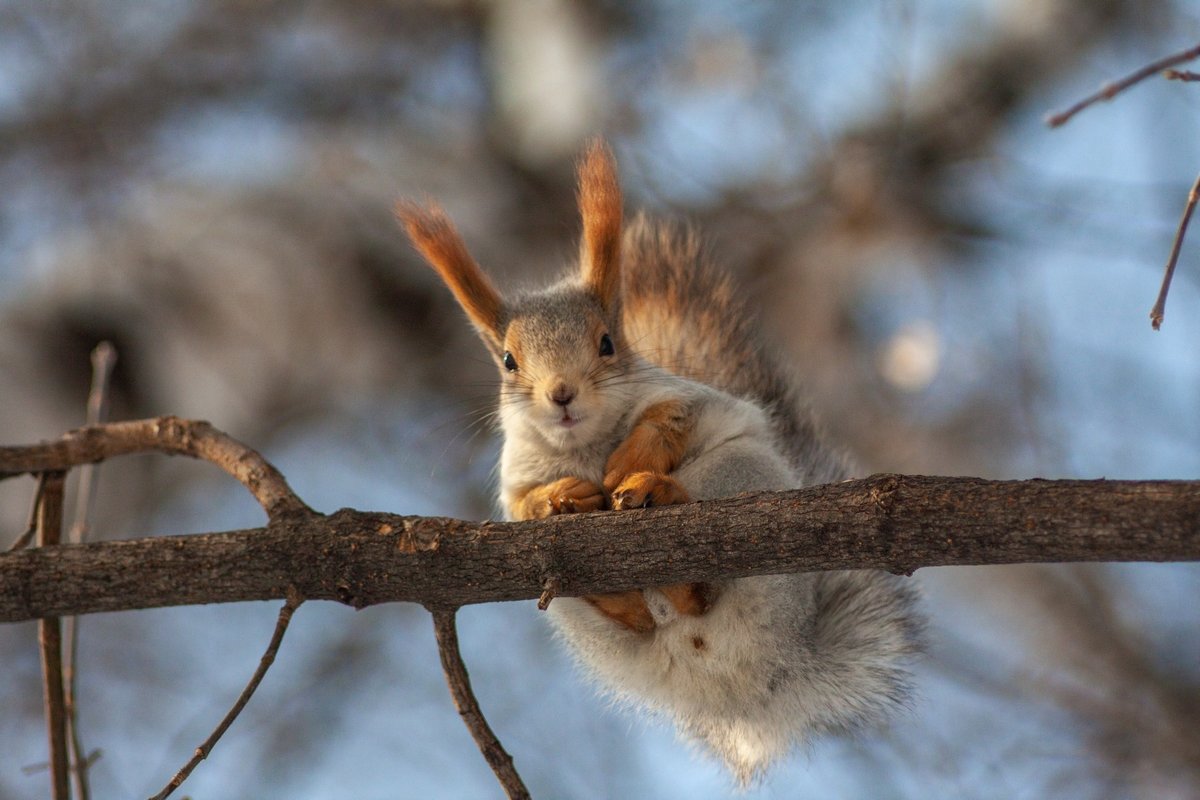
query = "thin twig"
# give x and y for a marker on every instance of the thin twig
(549, 591)
(104, 358)
(31, 527)
(44, 766)
(1156, 313)
(1110, 90)
(171, 435)
(285, 617)
(1181, 75)
(49, 530)
(468, 707)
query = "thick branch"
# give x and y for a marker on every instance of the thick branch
(898, 523)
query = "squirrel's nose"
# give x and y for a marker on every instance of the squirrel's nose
(562, 395)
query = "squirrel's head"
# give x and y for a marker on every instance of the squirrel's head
(560, 351)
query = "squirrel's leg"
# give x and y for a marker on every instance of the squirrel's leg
(656, 446)
(627, 608)
(572, 496)
(637, 476)
(692, 599)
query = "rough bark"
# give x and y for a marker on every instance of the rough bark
(892, 522)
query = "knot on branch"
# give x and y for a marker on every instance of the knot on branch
(174, 433)
(417, 536)
(885, 496)
(884, 489)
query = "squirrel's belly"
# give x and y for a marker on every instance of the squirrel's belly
(726, 662)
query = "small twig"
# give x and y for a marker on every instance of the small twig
(31, 527)
(1156, 313)
(1181, 75)
(44, 766)
(549, 592)
(1110, 90)
(170, 435)
(468, 707)
(49, 530)
(285, 617)
(104, 358)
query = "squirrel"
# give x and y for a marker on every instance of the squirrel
(640, 379)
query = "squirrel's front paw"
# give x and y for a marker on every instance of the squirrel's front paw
(563, 496)
(645, 489)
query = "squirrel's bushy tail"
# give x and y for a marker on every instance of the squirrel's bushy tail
(823, 653)
(787, 656)
(682, 314)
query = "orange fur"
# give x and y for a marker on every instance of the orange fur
(656, 443)
(434, 235)
(637, 476)
(571, 496)
(646, 489)
(693, 599)
(563, 496)
(600, 208)
(627, 608)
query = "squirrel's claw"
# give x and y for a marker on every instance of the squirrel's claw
(563, 496)
(646, 489)
(573, 496)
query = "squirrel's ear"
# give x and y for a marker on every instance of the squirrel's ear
(434, 235)
(600, 207)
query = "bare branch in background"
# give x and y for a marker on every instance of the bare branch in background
(1110, 90)
(268, 658)
(1156, 313)
(104, 358)
(49, 531)
(31, 529)
(459, 682)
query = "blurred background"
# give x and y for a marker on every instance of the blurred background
(207, 185)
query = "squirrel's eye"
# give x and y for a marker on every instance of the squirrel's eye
(606, 345)
(510, 363)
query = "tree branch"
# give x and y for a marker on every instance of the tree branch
(1160, 304)
(268, 658)
(892, 522)
(104, 358)
(1110, 90)
(49, 529)
(169, 435)
(493, 751)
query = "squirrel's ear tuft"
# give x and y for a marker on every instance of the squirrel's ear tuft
(435, 237)
(600, 207)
